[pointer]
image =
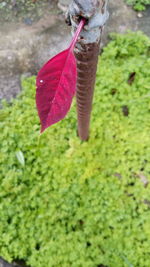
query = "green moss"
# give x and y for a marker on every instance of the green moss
(67, 203)
(139, 5)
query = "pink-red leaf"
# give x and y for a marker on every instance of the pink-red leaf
(56, 85)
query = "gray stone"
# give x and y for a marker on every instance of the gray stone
(3, 263)
(64, 2)
(9, 86)
(27, 48)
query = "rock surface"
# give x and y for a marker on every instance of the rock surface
(3, 263)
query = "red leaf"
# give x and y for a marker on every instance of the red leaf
(56, 85)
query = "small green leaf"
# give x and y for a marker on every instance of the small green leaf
(20, 157)
(126, 261)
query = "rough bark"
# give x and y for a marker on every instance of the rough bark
(86, 64)
(86, 52)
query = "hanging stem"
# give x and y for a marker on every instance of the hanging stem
(79, 29)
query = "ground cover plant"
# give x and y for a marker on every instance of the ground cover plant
(67, 203)
(139, 5)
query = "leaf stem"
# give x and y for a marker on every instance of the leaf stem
(77, 33)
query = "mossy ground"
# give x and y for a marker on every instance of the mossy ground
(67, 203)
(138, 5)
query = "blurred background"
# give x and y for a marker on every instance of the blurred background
(32, 31)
